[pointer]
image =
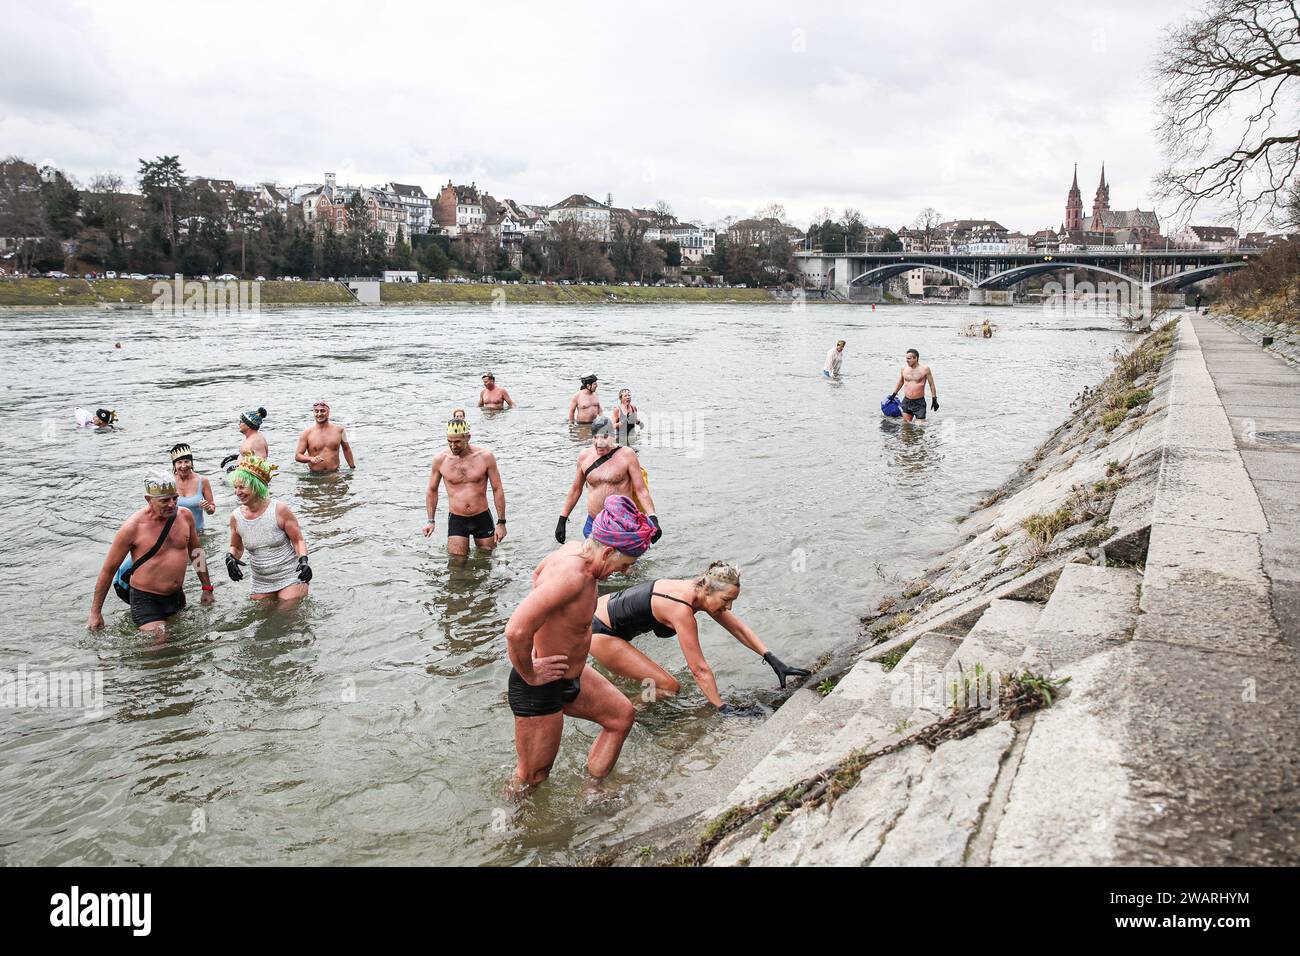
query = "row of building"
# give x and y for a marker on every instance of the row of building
(460, 212)
(1105, 230)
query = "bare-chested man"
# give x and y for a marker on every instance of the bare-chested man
(467, 470)
(156, 582)
(584, 407)
(319, 445)
(606, 468)
(548, 638)
(250, 424)
(493, 395)
(912, 381)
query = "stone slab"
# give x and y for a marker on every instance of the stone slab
(1199, 426)
(1072, 779)
(852, 832)
(1207, 589)
(1213, 758)
(1279, 465)
(945, 808)
(1206, 489)
(1092, 608)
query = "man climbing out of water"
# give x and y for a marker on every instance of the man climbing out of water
(493, 395)
(467, 469)
(160, 538)
(833, 359)
(319, 444)
(986, 329)
(584, 407)
(606, 468)
(548, 638)
(912, 380)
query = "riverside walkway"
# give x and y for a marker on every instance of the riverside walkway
(1261, 395)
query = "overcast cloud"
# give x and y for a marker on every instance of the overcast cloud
(977, 109)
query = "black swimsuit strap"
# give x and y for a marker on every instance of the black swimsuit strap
(655, 594)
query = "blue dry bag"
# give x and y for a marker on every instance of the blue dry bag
(890, 408)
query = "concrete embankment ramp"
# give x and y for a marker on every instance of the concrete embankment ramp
(1122, 575)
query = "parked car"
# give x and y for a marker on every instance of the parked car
(206, 278)
(56, 275)
(261, 278)
(110, 274)
(227, 277)
(137, 275)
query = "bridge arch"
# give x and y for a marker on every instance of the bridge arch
(1018, 274)
(882, 273)
(1180, 279)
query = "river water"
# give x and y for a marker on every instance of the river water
(370, 725)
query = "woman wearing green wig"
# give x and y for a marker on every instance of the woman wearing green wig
(268, 530)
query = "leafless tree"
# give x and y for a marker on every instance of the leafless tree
(927, 224)
(663, 212)
(773, 210)
(1231, 74)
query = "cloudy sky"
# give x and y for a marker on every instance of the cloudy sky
(978, 109)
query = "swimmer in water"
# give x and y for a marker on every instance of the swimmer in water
(912, 380)
(195, 491)
(833, 360)
(160, 541)
(584, 407)
(319, 445)
(493, 395)
(267, 530)
(102, 418)
(250, 424)
(605, 469)
(458, 414)
(548, 638)
(467, 469)
(668, 607)
(625, 417)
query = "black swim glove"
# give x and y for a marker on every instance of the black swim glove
(658, 531)
(934, 404)
(782, 672)
(304, 572)
(561, 529)
(233, 564)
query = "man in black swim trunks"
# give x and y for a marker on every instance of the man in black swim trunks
(157, 584)
(467, 469)
(548, 638)
(912, 380)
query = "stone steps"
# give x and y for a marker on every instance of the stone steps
(868, 705)
(916, 808)
(997, 641)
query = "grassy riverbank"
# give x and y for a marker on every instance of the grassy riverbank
(53, 293)
(402, 293)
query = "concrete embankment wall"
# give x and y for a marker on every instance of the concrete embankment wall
(1121, 571)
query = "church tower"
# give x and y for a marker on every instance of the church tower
(1100, 202)
(1074, 205)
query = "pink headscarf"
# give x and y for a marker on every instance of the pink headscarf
(622, 527)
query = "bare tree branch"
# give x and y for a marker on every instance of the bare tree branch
(1233, 71)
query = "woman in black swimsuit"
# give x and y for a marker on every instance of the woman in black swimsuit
(668, 607)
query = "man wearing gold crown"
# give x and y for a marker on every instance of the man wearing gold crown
(156, 581)
(268, 531)
(467, 469)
